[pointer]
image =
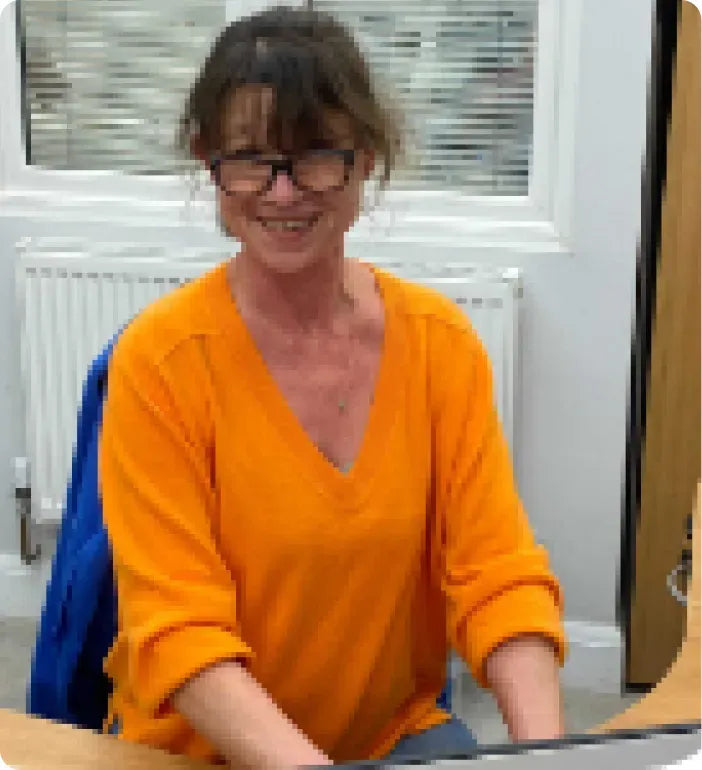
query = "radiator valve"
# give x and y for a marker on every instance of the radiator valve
(23, 503)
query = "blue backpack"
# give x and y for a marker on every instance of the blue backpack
(79, 619)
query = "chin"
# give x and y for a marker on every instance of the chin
(285, 261)
(290, 262)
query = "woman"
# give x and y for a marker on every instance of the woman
(304, 480)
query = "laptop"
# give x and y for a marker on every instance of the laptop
(650, 747)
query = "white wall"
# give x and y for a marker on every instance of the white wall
(576, 328)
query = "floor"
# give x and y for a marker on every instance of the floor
(583, 709)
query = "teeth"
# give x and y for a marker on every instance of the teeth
(287, 225)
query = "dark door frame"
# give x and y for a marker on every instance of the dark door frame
(664, 46)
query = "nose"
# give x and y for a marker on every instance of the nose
(283, 189)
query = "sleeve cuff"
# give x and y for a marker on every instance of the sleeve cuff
(157, 672)
(525, 609)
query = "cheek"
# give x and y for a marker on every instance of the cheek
(347, 207)
(233, 211)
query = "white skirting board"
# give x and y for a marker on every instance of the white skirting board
(594, 661)
(596, 657)
(22, 588)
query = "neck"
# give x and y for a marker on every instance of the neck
(309, 300)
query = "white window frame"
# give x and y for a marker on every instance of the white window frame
(540, 222)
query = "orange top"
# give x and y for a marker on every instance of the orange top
(233, 536)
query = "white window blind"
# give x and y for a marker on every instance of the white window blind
(105, 80)
(463, 73)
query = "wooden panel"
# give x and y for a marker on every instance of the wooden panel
(676, 699)
(671, 456)
(37, 744)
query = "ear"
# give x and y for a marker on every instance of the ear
(368, 163)
(197, 148)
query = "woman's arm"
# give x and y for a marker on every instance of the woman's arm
(523, 676)
(496, 578)
(226, 705)
(178, 599)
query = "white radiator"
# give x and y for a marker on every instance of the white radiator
(74, 296)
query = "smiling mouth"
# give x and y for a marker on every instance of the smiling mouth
(296, 225)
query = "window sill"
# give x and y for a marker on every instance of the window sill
(471, 235)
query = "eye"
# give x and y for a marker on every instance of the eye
(325, 145)
(247, 151)
(242, 150)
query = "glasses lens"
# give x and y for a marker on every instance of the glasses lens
(243, 175)
(320, 171)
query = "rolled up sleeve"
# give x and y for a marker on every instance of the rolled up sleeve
(177, 598)
(495, 577)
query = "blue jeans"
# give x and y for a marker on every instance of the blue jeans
(114, 727)
(450, 738)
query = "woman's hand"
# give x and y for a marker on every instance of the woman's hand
(301, 760)
(307, 759)
(315, 758)
(230, 708)
(523, 675)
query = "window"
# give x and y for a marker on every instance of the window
(463, 72)
(490, 88)
(105, 80)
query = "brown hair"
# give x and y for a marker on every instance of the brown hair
(312, 63)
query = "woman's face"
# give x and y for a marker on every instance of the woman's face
(257, 219)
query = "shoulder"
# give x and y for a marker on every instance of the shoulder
(444, 322)
(171, 324)
(159, 365)
(440, 333)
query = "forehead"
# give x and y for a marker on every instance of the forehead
(248, 118)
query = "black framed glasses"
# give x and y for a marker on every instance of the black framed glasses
(321, 170)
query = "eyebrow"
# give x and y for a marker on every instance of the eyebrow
(244, 146)
(239, 136)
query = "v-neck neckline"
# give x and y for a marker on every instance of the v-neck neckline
(348, 487)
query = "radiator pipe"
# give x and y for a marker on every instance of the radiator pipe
(23, 504)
